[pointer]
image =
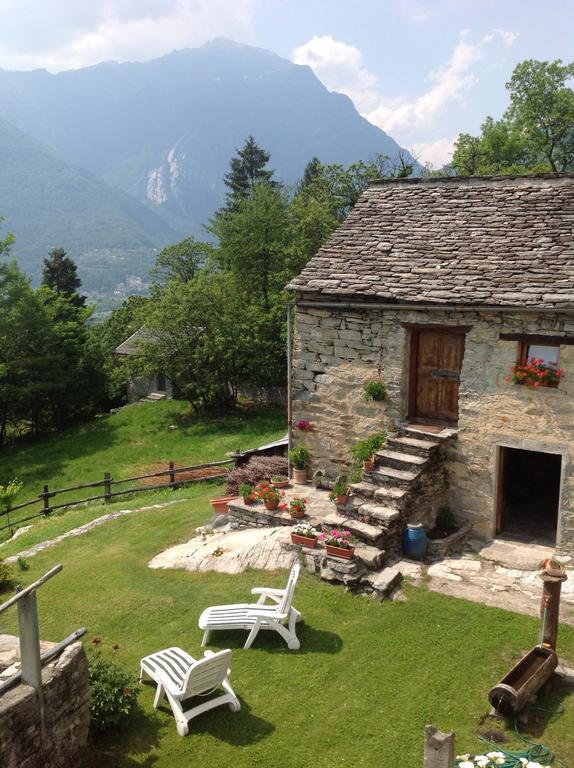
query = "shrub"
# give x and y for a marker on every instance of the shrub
(374, 390)
(299, 457)
(341, 487)
(5, 575)
(364, 449)
(113, 691)
(245, 490)
(445, 521)
(22, 563)
(257, 468)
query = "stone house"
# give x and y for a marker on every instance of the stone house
(155, 387)
(437, 287)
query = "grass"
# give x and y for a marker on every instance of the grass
(367, 680)
(130, 441)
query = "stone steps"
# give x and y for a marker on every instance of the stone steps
(401, 478)
(411, 445)
(381, 515)
(399, 460)
(366, 532)
(390, 495)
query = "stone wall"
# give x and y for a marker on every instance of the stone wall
(63, 742)
(337, 350)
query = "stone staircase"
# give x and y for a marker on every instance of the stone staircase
(408, 484)
(152, 397)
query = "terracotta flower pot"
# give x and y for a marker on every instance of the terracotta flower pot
(280, 483)
(342, 552)
(300, 476)
(305, 541)
(297, 513)
(340, 500)
(249, 499)
(220, 505)
(271, 504)
(369, 464)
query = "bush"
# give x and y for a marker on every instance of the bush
(445, 521)
(114, 692)
(257, 468)
(5, 575)
(364, 449)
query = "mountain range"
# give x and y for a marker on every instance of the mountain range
(113, 161)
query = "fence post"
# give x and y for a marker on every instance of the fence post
(172, 475)
(439, 748)
(45, 501)
(107, 487)
(30, 647)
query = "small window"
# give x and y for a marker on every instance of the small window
(547, 353)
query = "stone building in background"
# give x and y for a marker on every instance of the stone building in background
(153, 387)
(438, 287)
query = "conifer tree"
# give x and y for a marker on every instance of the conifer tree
(60, 274)
(245, 171)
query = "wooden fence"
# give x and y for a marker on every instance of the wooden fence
(108, 485)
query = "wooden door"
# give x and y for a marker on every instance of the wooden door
(437, 360)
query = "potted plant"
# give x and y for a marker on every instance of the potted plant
(374, 390)
(364, 450)
(536, 373)
(220, 504)
(339, 544)
(340, 491)
(299, 458)
(268, 494)
(297, 506)
(246, 492)
(304, 534)
(280, 481)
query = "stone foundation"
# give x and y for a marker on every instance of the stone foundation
(62, 743)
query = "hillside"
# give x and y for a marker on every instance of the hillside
(164, 131)
(48, 202)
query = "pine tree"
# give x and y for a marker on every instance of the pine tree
(60, 274)
(245, 171)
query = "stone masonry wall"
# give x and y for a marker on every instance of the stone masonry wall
(67, 717)
(337, 350)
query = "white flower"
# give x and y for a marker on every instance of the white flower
(482, 761)
(494, 755)
(524, 761)
(466, 764)
(535, 765)
(500, 760)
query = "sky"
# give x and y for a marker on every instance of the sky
(422, 70)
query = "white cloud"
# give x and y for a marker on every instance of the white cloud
(437, 153)
(340, 67)
(69, 33)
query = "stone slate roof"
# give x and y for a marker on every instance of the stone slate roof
(491, 241)
(129, 346)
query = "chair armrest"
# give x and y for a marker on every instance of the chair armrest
(267, 592)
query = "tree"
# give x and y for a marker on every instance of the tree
(181, 260)
(60, 274)
(543, 105)
(536, 133)
(246, 171)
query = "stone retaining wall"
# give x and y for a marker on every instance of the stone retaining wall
(67, 717)
(337, 350)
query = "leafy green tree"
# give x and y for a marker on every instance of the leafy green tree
(246, 170)
(60, 274)
(536, 133)
(181, 260)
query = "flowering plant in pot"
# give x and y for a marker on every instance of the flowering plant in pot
(304, 534)
(339, 543)
(268, 494)
(297, 506)
(280, 481)
(246, 492)
(340, 491)
(299, 458)
(536, 373)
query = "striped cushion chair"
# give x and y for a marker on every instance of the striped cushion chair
(180, 677)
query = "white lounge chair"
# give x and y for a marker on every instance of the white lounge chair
(279, 615)
(179, 677)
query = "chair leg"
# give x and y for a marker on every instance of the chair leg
(252, 635)
(205, 639)
(158, 695)
(288, 634)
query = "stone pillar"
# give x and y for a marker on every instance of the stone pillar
(552, 577)
(439, 748)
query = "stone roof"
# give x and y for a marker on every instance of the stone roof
(129, 346)
(490, 241)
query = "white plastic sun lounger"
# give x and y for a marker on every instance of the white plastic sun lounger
(179, 677)
(279, 615)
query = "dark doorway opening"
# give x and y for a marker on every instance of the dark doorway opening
(161, 382)
(528, 494)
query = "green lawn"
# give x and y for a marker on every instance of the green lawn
(130, 441)
(367, 680)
